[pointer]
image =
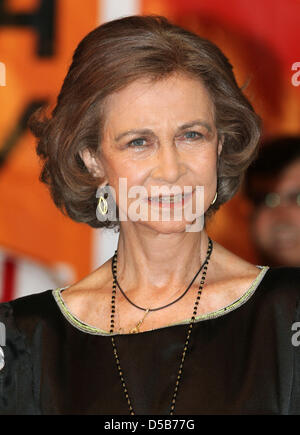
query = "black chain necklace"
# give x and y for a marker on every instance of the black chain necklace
(164, 306)
(179, 376)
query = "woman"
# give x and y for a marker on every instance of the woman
(154, 106)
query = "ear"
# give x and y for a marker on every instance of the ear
(93, 164)
(220, 144)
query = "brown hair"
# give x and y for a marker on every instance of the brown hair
(105, 61)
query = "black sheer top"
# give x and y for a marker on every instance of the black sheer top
(242, 359)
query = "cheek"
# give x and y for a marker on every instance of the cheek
(294, 215)
(123, 176)
(204, 168)
(121, 168)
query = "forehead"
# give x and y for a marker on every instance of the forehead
(177, 97)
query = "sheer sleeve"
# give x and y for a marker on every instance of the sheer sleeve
(16, 377)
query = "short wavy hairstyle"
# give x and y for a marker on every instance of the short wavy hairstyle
(109, 58)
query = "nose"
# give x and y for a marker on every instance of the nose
(169, 166)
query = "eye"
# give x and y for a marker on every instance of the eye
(137, 143)
(193, 135)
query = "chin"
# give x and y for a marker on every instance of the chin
(172, 227)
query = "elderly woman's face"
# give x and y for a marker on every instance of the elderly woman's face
(161, 134)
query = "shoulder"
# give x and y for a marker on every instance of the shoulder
(283, 279)
(286, 273)
(80, 297)
(279, 293)
(23, 313)
(26, 305)
(230, 272)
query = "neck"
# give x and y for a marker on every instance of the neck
(149, 261)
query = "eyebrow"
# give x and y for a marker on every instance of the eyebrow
(149, 131)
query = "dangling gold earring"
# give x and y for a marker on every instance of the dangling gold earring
(102, 203)
(214, 200)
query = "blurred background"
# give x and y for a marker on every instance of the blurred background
(40, 248)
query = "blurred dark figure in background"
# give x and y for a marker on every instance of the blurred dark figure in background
(272, 183)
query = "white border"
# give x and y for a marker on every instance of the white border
(112, 9)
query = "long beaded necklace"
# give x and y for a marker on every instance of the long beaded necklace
(179, 375)
(148, 310)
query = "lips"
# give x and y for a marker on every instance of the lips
(169, 200)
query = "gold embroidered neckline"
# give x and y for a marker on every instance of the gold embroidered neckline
(77, 323)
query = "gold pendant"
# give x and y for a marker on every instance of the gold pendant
(136, 329)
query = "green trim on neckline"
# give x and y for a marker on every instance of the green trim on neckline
(212, 315)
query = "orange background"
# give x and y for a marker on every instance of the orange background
(29, 222)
